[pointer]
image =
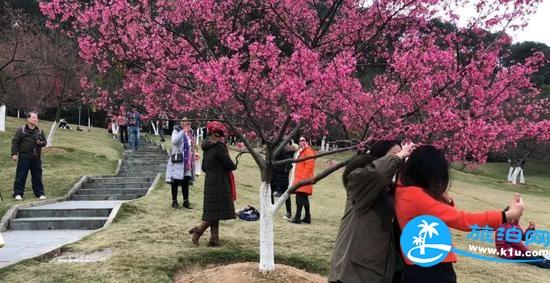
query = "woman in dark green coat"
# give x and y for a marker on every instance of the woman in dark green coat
(218, 201)
(364, 250)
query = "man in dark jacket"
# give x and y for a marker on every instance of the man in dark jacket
(25, 149)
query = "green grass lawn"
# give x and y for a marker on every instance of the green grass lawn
(75, 154)
(537, 176)
(150, 241)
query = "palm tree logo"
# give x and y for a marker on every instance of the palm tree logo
(426, 240)
(426, 230)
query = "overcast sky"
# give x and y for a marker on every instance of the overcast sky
(539, 26)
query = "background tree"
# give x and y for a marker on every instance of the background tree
(40, 68)
(277, 68)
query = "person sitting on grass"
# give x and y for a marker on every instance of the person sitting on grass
(63, 124)
(517, 250)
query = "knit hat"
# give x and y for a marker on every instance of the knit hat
(216, 128)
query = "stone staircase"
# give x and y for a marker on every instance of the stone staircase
(90, 206)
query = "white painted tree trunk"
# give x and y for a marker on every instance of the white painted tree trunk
(51, 134)
(521, 177)
(3, 118)
(267, 255)
(515, 175)
(510, 174)
(114, 127)
(155, 129)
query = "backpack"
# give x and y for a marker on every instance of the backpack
(248, 213)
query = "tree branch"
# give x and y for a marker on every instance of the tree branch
(257, 157)
(282, 130)
(285, 141)
(291, 160)
(311, 181)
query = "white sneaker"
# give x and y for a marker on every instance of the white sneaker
(42, 197)
(18, 197)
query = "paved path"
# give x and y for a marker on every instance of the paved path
(40, 229)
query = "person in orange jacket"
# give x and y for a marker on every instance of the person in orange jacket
(422, 189)
(302, 171)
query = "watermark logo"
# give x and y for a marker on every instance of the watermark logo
(426, 240)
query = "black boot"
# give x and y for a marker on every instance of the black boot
(307, 218)
(175, 205)
(186, 204)
(297, 216)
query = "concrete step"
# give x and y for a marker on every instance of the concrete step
(120, 180)
(146, 155)
(143, 168)
(138, 162)
(151, 167)
(107, 197)
(143, 171)
(84, 212)
(145, 150)
(122, 185)
(159, 159)
(139, 174)
(115, 191)
(57, 223)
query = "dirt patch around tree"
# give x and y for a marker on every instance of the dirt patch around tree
(246, 272)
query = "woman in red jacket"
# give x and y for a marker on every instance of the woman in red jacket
(422, 190)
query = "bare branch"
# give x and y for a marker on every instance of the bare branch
(282, 130)
(311, 181)
(285, 141)
(257, 157)
(291, 160)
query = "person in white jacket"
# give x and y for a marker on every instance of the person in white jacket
(180, 170)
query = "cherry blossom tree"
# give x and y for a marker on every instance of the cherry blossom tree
(373, 69)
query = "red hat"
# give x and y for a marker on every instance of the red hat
(216, 128)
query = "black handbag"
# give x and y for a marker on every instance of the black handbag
(177, 158)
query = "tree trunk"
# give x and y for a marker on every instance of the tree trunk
(521, 177)
(79, 114)
(50, 135)
(54, 127)
(3, 118)
(89, 119)
(267, 255)
(515, 175)
(155, 129)
(510, 173)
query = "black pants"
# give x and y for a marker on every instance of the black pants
(184, 188)
(302, 201)
(441, 273)
(23, 167)
(161, 132)
(123, 132)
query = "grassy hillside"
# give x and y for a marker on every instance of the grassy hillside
(74, 154)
